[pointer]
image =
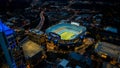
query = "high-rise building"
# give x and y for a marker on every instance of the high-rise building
(9, 47)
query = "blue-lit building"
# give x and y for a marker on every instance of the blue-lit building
(7, 43)
(9, 47)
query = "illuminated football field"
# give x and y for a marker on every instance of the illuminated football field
(67, 35)
(66, 31)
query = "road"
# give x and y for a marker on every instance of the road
(41, 21)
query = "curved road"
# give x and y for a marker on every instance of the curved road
(41, 21)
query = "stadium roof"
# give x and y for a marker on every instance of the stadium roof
(64, 62)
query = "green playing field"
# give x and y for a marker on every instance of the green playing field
(66, 35)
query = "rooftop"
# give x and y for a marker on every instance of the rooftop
(108, 49)
(30, 48)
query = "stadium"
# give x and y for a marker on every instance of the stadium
(66, 33)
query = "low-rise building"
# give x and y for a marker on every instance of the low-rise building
(105, 49)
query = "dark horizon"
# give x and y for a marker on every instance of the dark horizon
(5, 4)
(14, 4)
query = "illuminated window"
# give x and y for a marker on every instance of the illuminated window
(104, 56)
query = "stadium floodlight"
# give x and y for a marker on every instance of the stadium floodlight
(75, 23)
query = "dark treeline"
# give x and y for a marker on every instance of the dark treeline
(14, 4)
